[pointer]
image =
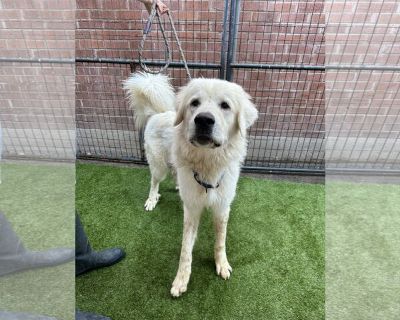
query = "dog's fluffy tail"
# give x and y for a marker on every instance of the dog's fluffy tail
(149, 94)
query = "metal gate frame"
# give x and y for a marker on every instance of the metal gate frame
(226, 66)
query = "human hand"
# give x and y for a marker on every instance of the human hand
(161, 7)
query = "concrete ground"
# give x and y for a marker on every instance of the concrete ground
(282, 177)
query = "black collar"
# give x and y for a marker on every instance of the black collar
(205, 184)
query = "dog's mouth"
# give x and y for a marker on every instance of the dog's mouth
(203, 140)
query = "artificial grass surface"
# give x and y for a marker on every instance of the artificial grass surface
(38, 200)
(275, 245)
(362, 251)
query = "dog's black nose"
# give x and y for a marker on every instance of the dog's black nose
(204, 119)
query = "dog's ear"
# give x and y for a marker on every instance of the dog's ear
(248, 113)
(180, 108)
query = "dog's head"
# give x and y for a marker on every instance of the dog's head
(212, 111)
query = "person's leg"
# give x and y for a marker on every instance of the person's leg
(89, 316)
(15, 258)
(6, 315)
(86, 259)
(79, 315)
(82, 245)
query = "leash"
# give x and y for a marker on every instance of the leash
(154, 13)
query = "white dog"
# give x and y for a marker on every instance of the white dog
(202, 135)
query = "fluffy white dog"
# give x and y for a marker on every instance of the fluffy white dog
(201, 135)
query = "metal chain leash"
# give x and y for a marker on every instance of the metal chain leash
(154, 13)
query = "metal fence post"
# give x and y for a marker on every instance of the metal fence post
(233, 24)
(224, 42)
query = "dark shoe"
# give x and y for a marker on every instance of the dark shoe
(89, 316)
(5, 315)
(98, 259)
(87, 259)
(15, 258)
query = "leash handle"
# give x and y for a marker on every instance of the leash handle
(146, 31)
(154, 13)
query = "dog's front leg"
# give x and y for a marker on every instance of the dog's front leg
(190, 226)
(221, 218)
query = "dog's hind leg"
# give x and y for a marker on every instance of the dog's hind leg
(158, 174)
(175, 176)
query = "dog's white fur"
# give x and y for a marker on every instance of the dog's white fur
(170, 141)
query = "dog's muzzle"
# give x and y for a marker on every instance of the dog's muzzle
(204, 122)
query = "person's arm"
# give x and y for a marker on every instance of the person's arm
(162, 8)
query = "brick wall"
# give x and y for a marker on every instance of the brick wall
(113, 29)
(291, 102)
(37, 100)
(37, 29)
(280, 32)
(362, 108)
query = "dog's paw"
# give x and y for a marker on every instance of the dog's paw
(179, 286)
(151, 202)
(223, 269)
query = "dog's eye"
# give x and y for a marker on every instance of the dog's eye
(225, 105)
(195, 103)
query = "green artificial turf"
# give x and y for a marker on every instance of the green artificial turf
(362, 250)
(275, 245)
(38, 201)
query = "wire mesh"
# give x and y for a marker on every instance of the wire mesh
(362, 85)
(323, 74)
(37, 92)
(289, 132)
(273, 38)
(37, 111)
(112, 32)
